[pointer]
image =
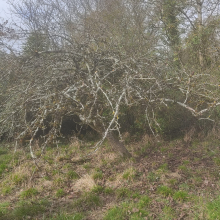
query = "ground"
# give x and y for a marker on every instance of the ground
(163, 180)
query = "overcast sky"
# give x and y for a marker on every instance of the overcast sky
(4, 12)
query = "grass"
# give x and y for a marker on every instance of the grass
(64, 216)
(144, 202)
(24, 209)
(165, 191)
(115, 213)
(213, 209)
(181, 196)
(29, 193)
(60, 193)
(4, 208)
(87, 201)
(97, 175)
(123, 193)
(72, 175)
(160, 186)
(129, 174)
(126, 210)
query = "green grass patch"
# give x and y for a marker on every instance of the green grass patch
(87, 201)
(129, 174)
(64, 216)
(29, 193)
(72, 175)
(6, 190)
(26, 209)
(213, 209)
(152, 177)
(98, 189)
(164, 190)
(116, 213)
(123, 193)
(97, 175)
(18, 179)
(181, 196)
(143, 202)
(4, 208)
(126, 211)
(5, 159)
(168, 213)
(60, 193)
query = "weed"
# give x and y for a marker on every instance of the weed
(152, 177)
(136, 195)
(60, 193)
(54, 172)
(4, 208)
(181, 196)
(143, 202)
(97, 175)
(18, 179)
(184, 186)
(183, 168)
(172, 181)
(98, 189)
(217, 161)
(164, 190)
(29, 193)
(168, 213)
(125, 211)
(87, 166)
(123, 192)
(87, 201)
(59, 181)
(129, 174)
(115, 213)
(164, 167)
(6, 190)
(28, 208)
(108, 190)
(213, 209)
(72, 175)
(64, 216)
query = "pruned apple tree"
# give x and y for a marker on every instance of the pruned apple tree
(90, 59)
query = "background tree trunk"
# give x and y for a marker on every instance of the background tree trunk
(117, 145)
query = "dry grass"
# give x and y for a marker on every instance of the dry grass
(188, 179)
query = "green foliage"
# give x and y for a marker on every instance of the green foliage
(18, 179)
(164, 190)
(143, 202)
(98, 189)
(72, 175)
(29, 193)
(168, 213)
(4, 208)
(87, 201)
(213, 209)
(6, 190)
(27, 209)
(97, 175)
(60, 193)
(152, 177)
(181, 196)
(173, 120)
(129, 174)
(123, 193)
(126, 211)
(5, 159)
(35, 43)
(63, 216)
(116, 213)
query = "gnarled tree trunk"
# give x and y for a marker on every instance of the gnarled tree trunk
(117, 145)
